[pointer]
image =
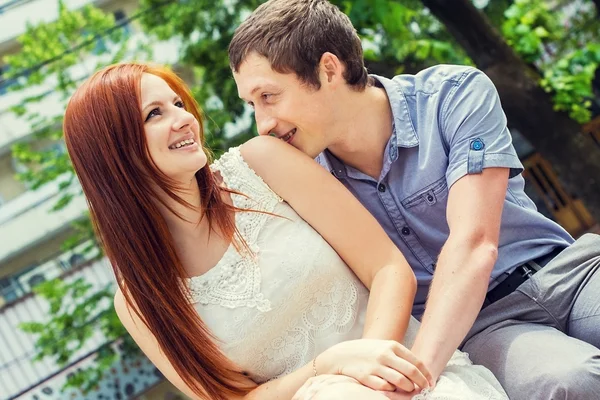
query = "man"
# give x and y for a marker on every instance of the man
(431, 157)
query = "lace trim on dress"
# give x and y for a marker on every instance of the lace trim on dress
(235, 280)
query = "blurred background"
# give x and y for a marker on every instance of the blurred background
(59, 335)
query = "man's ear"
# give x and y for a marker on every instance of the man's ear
(331, 69)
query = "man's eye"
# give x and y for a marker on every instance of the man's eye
(153, 113)
(266, 96)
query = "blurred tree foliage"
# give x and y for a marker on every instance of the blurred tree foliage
(78, 312)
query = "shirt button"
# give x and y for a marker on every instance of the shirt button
(477, 144)
(405, 231)
(381, 187)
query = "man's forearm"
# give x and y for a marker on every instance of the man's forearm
(455, 299)
(391, 297)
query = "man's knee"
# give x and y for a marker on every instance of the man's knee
(567, 381)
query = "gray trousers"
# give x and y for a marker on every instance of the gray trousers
(543, 340)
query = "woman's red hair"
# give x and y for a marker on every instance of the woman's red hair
(104, 133)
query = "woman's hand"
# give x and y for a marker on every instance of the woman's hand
(336, 387)
(378, 364)
(341, 387)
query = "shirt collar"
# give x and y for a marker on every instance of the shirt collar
(332, 164)
(404, 130)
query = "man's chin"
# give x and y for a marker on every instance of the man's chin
(311, 152)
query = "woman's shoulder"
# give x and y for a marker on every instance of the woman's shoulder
(259, 152)
(255, 153)
(237, 167)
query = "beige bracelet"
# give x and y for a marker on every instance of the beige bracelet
(315, 366)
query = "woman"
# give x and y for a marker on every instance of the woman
(244, 280)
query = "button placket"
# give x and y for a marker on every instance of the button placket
(405, 232)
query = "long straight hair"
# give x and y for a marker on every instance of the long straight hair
(104, 134)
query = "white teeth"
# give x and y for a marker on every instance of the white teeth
(289, 135)
(182, 144)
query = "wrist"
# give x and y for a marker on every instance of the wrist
(435, 365)
(323, 364)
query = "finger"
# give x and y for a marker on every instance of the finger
(309, 387)
(409, 370)
(397, 379)
(398, 395)
(377, 383)
(409, 356)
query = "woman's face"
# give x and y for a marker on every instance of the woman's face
(172, 133)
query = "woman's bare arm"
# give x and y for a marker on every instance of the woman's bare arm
(280, 389)
(368, 352)
(350, 229)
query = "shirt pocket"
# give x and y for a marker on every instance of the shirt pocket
(430, 197)
(425, 212)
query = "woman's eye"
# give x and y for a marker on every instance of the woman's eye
(179, 104)
(153, 113)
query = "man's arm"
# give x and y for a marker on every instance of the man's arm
(464, 266)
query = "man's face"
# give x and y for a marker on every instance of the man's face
(285, 107)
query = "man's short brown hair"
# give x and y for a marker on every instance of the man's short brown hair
(294, 34)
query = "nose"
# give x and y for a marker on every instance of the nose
(183, 119)
(265, 123)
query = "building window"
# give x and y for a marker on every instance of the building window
(36, 280)
(10, 290)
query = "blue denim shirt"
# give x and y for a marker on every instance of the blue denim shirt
(448, 122)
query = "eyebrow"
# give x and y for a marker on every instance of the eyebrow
(158, 102)
(258, 87)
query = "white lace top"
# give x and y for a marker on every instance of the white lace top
(274, 311)
(294, 297)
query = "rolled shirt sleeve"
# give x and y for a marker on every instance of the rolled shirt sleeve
(474, 128)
